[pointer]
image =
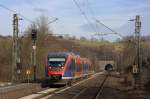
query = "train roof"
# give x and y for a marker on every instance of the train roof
(59, 54)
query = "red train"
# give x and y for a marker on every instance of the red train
(65, 67)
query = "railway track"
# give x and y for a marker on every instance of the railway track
(49, 93)
(87, 89)
(93, 92)
(77, 90)
(98, 86)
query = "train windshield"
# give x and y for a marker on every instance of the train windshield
(56, 62)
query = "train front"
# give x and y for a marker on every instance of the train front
(55, 67)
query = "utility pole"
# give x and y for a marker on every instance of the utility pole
(16, 49)
(34, 38)
(138, 52)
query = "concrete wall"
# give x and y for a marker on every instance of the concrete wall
(102, 64)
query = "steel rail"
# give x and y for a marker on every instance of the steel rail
(101, 88)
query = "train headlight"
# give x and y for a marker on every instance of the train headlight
(62, 67)
(50, 67)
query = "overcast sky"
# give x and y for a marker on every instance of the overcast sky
(113, 13)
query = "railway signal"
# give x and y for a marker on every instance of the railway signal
(33, 59)
(34, 34)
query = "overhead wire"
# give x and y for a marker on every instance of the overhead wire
(114, 32)
(84, 15)
(37, 6)
(90, 9)
(10, 10)
(92, 14)
(82, 12)
(94, 18)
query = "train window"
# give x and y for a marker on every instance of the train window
(55, 62)
(56, 59)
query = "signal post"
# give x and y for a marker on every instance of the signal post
(34, 38)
